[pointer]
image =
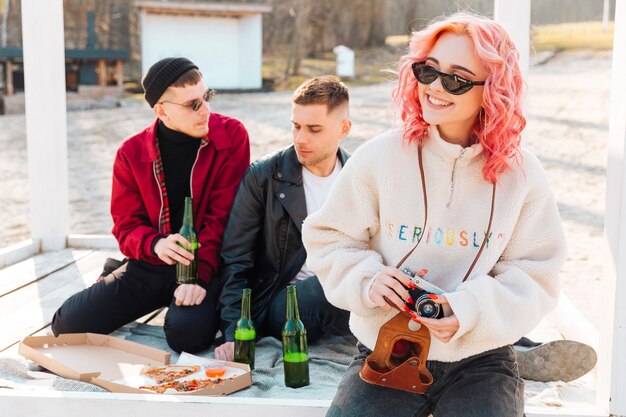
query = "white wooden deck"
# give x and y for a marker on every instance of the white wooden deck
(32, 290)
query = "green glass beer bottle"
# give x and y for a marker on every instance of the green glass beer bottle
(295, 349)
(188, 274)
(245, 332)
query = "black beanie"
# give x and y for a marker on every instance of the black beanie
(161, 75)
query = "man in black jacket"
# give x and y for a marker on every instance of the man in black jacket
(262, 247)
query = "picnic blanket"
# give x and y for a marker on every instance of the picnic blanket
(329, 358)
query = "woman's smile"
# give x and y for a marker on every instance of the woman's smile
(437, 102)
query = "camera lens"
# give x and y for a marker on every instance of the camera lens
(426, 307)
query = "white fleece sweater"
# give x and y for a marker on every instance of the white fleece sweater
(375, 213)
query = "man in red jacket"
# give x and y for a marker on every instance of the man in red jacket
(186, 151)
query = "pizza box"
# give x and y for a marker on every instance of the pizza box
(114, 364)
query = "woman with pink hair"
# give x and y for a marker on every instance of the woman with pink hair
(442, 238)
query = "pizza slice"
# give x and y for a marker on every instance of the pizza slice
(181, 386)
(170, 373)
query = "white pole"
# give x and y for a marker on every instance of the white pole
(611, 359)
(605, 15)
(46, 130)
(514, 16)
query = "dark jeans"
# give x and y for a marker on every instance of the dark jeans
(132, 291)
(317, 314)
(484, 385)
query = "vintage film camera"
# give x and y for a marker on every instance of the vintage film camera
(424, 306)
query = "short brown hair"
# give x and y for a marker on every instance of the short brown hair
(326, 89)
(191, 77)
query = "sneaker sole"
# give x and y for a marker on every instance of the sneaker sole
(560, 360)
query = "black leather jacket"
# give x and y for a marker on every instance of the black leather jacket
(262, 246)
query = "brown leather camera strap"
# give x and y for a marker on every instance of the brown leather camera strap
(421, 165)
(482, 246)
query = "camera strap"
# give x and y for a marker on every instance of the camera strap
(482, 246)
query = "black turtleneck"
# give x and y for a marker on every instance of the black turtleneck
(178, 154)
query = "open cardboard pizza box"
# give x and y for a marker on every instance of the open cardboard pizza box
(116, 364)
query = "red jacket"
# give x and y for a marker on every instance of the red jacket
(136, 200)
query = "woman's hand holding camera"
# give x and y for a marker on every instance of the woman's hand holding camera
(444, 328)
(388, 287)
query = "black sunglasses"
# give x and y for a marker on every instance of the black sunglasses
(452, 83)
(196, 104)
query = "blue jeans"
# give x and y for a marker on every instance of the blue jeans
(317, 314)
(484, 385)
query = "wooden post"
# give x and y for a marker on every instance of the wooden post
(119, 71)
(102, 73)
(515, 17)
(46, 125)
(611, 358)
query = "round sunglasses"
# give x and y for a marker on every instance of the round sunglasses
(452, 83)
(196, 104)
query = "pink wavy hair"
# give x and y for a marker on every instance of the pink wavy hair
(500, 122)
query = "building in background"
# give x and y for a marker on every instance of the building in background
(224, 39)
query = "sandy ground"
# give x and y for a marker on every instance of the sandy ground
(567, 109)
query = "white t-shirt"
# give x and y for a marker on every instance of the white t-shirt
(316, 190)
